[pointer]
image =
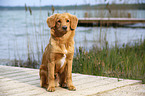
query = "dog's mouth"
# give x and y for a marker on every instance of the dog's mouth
(63, 32)
(60, 33)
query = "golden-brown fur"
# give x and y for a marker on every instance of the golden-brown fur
(58, 55)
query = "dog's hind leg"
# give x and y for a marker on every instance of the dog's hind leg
(43, 82)
(43, 79)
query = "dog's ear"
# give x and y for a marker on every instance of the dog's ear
(73, 21)
(51, 21)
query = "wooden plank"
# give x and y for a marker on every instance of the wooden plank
(108, 21)
(93, 20)
(25, 82)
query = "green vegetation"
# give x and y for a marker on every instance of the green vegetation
(125, 62)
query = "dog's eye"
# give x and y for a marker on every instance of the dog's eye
(59, 21)
(67, 21)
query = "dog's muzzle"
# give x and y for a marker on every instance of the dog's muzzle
(64, 27)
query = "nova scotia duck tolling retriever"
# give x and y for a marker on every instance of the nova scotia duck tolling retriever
(56, 67)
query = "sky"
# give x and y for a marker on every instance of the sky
(62, 2)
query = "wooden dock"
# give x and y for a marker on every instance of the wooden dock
(15, 81)
(108, 21)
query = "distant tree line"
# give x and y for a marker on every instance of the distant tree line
(80, 7)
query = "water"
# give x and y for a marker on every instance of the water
(22, 33)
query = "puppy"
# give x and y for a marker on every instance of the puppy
(58, 55)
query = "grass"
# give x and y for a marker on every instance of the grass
(125, 62)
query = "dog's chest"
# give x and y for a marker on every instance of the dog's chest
(63, 59)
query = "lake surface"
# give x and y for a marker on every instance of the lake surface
(22, 33)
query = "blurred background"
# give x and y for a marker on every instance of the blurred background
(112, 50)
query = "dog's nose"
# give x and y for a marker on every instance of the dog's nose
(64, 27)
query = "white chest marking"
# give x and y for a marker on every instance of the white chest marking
(65, 51)
(62, 61)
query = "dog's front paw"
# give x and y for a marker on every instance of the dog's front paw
(72, 88)
(51, 89)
